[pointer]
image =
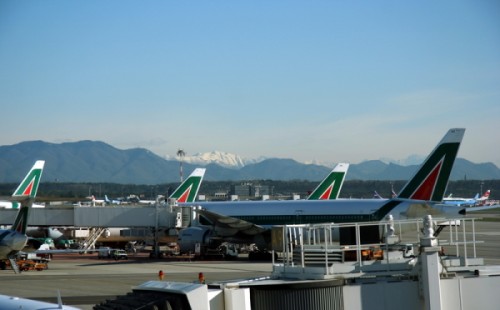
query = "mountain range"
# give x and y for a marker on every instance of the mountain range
(223, 159)
(95, 162)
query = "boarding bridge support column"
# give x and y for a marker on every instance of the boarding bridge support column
(431, 268)
(236, 298)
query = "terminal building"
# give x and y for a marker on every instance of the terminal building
(249, 191)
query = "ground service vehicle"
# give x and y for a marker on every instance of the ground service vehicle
(119, 254)
(224, 251)
(103, 253)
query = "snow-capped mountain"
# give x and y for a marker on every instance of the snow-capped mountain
(408, 161)
(223, 159)
(95, 161)
(330, 164)
(234, 161)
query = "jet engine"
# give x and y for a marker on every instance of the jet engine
(189, 237)
(106, 233)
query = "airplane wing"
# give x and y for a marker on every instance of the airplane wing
(11, 302)
(53, 251)
(231, 223)
(479, 210)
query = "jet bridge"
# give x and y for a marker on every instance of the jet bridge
(112, 216)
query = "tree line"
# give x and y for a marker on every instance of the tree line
(350, 189)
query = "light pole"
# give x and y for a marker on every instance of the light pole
(180, 154)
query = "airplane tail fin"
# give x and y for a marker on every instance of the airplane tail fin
(376, 195)
(429, 182)
(188, 190)
(486, 195)
(330, 187)
(28, 188)
(25, 194)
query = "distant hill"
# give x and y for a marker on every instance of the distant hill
(94, 161)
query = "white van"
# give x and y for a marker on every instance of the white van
(104, 252)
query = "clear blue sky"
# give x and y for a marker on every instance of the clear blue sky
(309, 80)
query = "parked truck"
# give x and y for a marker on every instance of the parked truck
(224, 251)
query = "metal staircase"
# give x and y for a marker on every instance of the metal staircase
(13, 264)
(94, 234)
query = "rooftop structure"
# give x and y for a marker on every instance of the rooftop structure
(418, 264)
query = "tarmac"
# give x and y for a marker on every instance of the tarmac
(84, 280)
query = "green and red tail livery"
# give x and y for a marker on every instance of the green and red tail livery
(25, 194)
(29, 186)
(188, 190)
(330, 187)
(429, 182)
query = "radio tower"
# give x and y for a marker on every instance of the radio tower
(180, 154)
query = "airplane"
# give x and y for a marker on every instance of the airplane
(34, 232)
(378, 196)
(15, 205)
(483, 205)
(485, 196)
(330, 187)
(186, 192)
(95, 201)
(14, 239)
(103, 202)
(17, 303)
(111, 201)
(457, 201)
(9, 204)
(250, 221)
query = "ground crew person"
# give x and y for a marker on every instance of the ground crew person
(201, 278)
(160, 275)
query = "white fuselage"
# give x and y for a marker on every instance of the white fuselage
(268, 213)
(459, 201)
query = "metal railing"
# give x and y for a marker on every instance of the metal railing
(326, 244)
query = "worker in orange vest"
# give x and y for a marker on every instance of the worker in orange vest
(160, 275)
